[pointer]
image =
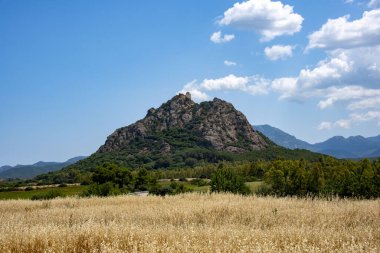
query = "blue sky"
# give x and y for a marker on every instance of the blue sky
(71, 72)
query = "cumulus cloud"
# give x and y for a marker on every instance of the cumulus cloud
(358, 94)
(325, 72)
(325, 125)
(285, 85)
(368, 116)
(230, 82)
(309, 82)
(218, 38)
(353, 118)
(252, 84)
(349, 1)
(373, 4)
(269, 19)
(365, 103)
(342, 33)
(342, 123)
(229, 63)
(278, 52)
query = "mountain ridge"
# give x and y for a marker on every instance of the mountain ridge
(29, 171)
(352, 147)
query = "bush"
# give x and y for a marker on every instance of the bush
(225, 180)
(173, 189)
(29, 188)
(102, 190)
(62, 185)
(199, 182)
(162, 191)
(52, 194)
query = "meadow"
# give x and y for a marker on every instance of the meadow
(191, 222)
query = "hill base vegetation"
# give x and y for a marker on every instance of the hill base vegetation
(190, 223)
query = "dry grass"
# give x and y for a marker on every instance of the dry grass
(190, 223)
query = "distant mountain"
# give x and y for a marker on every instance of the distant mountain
(281, 138)
(29, 171)
(6, 167)
(351, 147)
(337, 146)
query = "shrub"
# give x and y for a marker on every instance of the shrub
(48, 195)
(199, 182)
(225, 180)
(102, 190)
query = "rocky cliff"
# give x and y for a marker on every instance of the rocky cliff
(215, 124)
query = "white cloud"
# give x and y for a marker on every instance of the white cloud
(230, 82)
(325, 126)
(259, 86)
(252, 84)
(196, 93)
(342, 33)
(366, 103)
(349, 1)
(278, 52)
(218, 38)
(343, 123)
(285, 85)
(269, 19)
(229, 63)
(348, 93)
(325, 72)
(373, 4)
(368, 116)
(310, 81)
(353, 118)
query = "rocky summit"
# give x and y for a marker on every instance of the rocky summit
(213, 124)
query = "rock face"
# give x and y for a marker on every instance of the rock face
(216, 122)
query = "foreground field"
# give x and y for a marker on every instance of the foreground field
(190, 223)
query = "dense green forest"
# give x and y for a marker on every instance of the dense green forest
(283, 177)
(187, 149)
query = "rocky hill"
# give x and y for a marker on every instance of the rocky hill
(216, 123)
(182, 133)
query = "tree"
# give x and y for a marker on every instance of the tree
(275, 178)
(105, 173)
(112, 173)
(225, 180)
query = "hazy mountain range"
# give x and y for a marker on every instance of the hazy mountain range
(337, 146)
(29, 171)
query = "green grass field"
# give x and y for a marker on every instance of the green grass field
(76, 190)
(65, 191)
(253, 186)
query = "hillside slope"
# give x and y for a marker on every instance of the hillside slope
(182, 133)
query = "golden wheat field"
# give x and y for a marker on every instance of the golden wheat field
(190, 223)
